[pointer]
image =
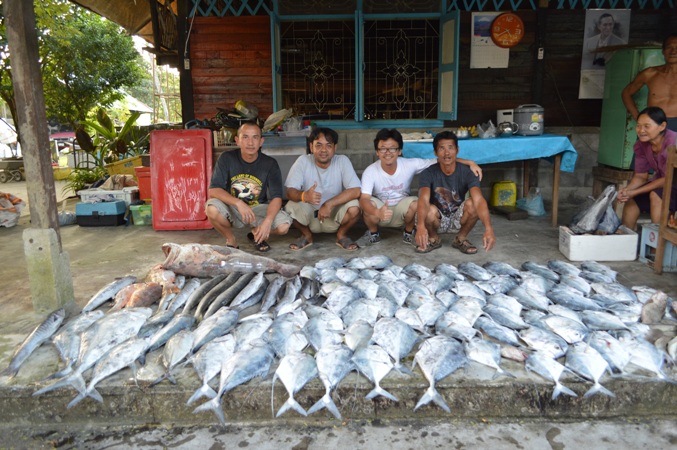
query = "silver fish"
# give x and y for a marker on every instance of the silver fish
(251, 294)
(588, 363)
(360, 309)
(417, 270)
(505, 317)
(208, 361)
(330, 263)
(544, 342)
(536, 282)
(563, 267)
(468, 289)
(455, 325)
(615, 353)
(594, 266)
(497, 331)
(374, 363)
(486, 353)
(596, 277)
(214, 326)
(540, 270)
(498, 284)
(252, 361)
(358, 335)
(449, 271)
(438, 357)
(285, 333)
(474, 271)
(469, 307)
(572, 300)
(559, 310)
(241, 287)
(346, 275)
(324, 331)
(370, 262)
(123, 355)
(40, 334)
(430, 311)
(289, 293)
(501, 268)
(295, 371)
(333, 364)
(67, 338)
(447, 298)
(576, 282)
(182, 297)
(396, 291)
(568, 329)
(548, 368)
(416, 299)
(176, 350)
(179, 322)
(600, 320)
(395, 337)
(272, 293)
(196, 295)
(250, 330)
(411, 318)
(646, 356)
(505, 301)
(340, 298)
(108, 292)
(436, 283)
(368, 288)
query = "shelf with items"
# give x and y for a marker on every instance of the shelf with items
(666, 233)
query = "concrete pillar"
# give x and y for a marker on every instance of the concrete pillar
(49, 271)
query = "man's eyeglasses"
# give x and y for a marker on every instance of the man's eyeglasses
(388, 150)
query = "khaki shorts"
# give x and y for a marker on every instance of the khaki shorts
(233, 215)
(304, 213)
(399, 210)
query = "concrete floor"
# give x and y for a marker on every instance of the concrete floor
(98, 255)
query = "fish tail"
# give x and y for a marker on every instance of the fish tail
(291, 404)
(9, 372)
(204, 391)
(502, 373)
(598, 388)
(402, 369)
(378, 390)
(561, 389)
(78, 398)
(159, 380)
(213, 405)
(326, 402)
(93, 393)
(432, 395)
(60, 374)
(74, 380)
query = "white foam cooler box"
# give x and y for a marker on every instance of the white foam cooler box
(128, 194)
(621, 246)
(102, 214)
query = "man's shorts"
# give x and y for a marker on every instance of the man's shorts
(644, 202)
(399, 210)
(233, 215)
(452, 222)
(306, 214)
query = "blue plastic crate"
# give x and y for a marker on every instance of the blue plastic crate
(102, 214)
(647, 249)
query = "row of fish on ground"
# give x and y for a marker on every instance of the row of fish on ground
(365, 314)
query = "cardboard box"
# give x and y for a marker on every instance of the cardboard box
(647, 249)
(621, 246)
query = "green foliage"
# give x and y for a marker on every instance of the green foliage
(82, 177)
(109, 144)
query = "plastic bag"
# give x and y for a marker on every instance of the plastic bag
(610, 221)
(486, 130)
(10, 209)
(532, 203)
(67, 218)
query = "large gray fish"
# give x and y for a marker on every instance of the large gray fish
(562, 267)
(225, 288)
(176, 350)
(588, 363)
(240, 286)
(594, 266)
(378, 262)
(438, 357)
(486, 353)
(99, 339)
(197, 294)
(395, 337)
(358, 335)
(374, 363)
(497, 331)
(540, 270)
(108, 292)
(247, 297)
(544, 342)
(505, 317)
(179, 322)
(455, 325)
(616, 353)
(449, 271)
(333, 364)
(295, 371)
(600, 320)
(285, 334)
(156, 321)
(530, 299)
(251, 329)
(396, 291)
(571, 299)
(501, 268)
(588, 220)
(548, 368)
(474, 271)
(208, 361)
(251, 361)
(40, 334)
(272, 293)
(67, 339)
(182, 297)
(123, 355)
(568, 329)
(202, 260)
(214, 326)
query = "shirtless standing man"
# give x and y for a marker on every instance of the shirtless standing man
(662, 84)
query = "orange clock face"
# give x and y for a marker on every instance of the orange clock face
(507, 30)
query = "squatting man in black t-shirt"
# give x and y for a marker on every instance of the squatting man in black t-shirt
(246, 189)
(442, 206)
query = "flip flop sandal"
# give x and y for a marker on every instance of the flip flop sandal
(432, 245)
(236, 247)
(300, 244)
(347, 244)
(261, 246)
(465, 246)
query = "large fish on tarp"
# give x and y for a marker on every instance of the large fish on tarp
(588, 220)
(202, 260)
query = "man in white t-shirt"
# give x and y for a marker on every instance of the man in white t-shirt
(385, 199)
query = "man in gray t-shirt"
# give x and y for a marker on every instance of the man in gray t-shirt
(323, 189)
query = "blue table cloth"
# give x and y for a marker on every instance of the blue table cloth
(496, 150)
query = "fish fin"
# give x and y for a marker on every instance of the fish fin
(93, 393)
(60, 374)
(326, 402)
(142, 359)
(9, 372)
(291, 404)
(402, 369)
(378, 390)
(171, 378)
(159, 380)
(598, 388)
(561, 389)
(204, 391)
(215, 406)
(432, 395)
(75, 380)
(502, 373)
(78, 398)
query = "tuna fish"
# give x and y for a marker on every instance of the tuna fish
(40, 334)
(486, 353)
(176, 350)
(501, 268)
(202, 260)
(272, 293)
(455, 325)
(548, 368)
(570, 330)
(438, 357)
(333, 364)
(474, 271)
(615, 290)
(67, 338)
(182, 297)
(208, 361)
(612, 350)
(563, 267)
(214, 326)
(295, 371)
(358, 335)
(594, 266)
(544, 342)
(572, 299)
(497, 331)
(108, 292)
(540, 270)
(374, 363)
(588, 363)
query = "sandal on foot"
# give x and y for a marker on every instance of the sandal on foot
(261, 246)
(408, 237)
(300, 244)
(432, 245)
(465, 246)
(236, 247)
(347, 244)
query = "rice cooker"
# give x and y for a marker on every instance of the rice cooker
(530, 120)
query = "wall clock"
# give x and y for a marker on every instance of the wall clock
(507, 30)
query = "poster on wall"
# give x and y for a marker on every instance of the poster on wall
(605, 30)
(484, 54)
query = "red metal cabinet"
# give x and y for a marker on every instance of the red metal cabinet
(181, 169)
